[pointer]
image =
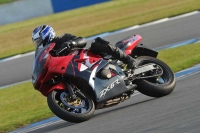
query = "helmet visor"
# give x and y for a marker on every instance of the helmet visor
(37, 42)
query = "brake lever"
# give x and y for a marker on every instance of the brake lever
(61, 51)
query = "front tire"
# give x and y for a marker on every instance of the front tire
(78, 110)
(157, 86)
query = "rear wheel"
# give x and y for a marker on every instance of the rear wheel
(73, 110)
(156, 86)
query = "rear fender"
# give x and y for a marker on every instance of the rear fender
(142, 50)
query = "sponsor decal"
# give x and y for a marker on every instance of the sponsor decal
(108, 88)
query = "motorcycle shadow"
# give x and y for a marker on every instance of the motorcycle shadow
(121, 106)
(98, 114)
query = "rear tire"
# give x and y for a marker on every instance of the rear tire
(75, 111)
(157, 86)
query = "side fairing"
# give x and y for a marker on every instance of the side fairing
(79, 70)
(109, 88)
(104, 89)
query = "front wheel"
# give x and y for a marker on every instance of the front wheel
(156, 86)
(73, 110)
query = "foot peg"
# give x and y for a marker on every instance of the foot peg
(131, 88)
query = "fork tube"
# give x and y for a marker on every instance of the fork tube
(70, 90)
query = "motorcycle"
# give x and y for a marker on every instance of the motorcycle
(80, 82)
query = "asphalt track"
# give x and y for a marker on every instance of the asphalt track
(177, 112)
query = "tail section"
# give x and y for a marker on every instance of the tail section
(128, 44)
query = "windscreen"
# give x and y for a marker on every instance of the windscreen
(39, 64)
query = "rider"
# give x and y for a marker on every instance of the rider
(45, 34)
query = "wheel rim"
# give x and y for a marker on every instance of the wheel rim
(80, 105)
(163, 79)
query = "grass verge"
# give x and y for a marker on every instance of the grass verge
(21, 105)
(6, 1)
(109, 16)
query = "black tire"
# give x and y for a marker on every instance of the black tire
(71, 113)
(151, 86)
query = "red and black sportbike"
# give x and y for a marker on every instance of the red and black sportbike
(78, 83)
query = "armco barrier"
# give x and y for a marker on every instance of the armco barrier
(26, 9)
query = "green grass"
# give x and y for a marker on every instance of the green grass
(6, 1)
(181, 57)
(21, 105)
(109, 16)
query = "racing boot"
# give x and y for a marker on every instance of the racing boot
(126, 59)
(101, 46)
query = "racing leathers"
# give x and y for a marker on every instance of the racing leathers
(98, 46)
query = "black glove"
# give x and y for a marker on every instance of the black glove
(66, 47)
(100, 40)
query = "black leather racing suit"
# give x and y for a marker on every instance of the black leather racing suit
(78, 42)
(98, 46)
(103, 47)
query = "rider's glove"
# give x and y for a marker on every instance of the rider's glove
(69, 45)
(66, 47)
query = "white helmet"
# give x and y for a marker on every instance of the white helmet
(43, 35)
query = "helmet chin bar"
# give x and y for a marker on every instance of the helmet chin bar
(43, 35)
(40, 46)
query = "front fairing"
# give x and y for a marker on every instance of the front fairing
(39, 63)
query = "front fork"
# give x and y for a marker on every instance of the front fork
(69, 89)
